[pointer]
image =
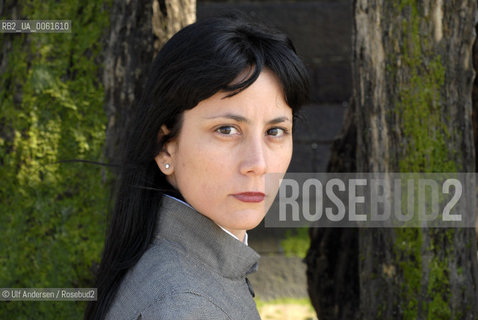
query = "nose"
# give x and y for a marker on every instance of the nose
(253, 157)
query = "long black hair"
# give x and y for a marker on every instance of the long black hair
(197, 62)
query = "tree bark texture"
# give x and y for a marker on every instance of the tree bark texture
(332, 259)
(10, 9)
(138, 30)
(475, 109)
(475, 100)
(413, 78)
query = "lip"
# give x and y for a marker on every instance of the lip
(249, 196)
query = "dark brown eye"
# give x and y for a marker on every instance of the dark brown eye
(276, 132)
(227, 130)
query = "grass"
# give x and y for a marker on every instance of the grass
(286, 308)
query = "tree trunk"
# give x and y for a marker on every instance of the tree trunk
(332, 259)
(138, 31)
(412, 81)
(475, 109)
(413, 77)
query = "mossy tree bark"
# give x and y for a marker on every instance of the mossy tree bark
(413, 77)
(138, 30)
(51, 99)
(411, 112)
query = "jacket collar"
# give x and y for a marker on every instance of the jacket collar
(203, 240)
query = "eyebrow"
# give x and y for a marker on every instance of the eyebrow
(239, 118)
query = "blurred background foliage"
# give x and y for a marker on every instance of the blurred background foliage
(52, 215)
(296, 242)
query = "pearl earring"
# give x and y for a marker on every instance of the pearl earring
(167, 165)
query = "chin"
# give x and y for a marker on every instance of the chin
(252, 226)
(251, 222)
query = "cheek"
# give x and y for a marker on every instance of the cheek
(281, 158)
(201, 171)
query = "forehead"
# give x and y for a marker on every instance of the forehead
(263, 98)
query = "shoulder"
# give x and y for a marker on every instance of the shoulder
(184, 305)
(164, 284)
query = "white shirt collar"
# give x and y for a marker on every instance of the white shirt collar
(232, 235)
(246, 237)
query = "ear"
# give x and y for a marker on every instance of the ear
(165, 158)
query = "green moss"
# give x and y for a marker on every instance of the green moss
(407, 250)
(420, 101)
(438, 290)
(52, 216)
(424, 149)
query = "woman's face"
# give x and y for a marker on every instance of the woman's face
(224, 150)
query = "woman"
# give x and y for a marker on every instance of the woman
(216, 117)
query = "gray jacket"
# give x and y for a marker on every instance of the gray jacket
(192, 270)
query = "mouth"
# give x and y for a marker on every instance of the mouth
(250, 196)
